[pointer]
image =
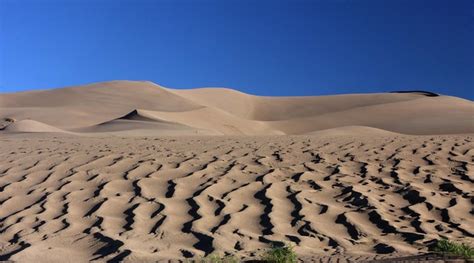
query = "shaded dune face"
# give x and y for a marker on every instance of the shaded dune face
(426, 93)
(148, 199)
(140, 122)
(144, 108)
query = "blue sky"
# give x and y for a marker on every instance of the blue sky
(310, 47)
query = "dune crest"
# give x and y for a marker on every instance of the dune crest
(139, 115)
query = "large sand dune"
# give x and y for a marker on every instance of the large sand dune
(229, 112)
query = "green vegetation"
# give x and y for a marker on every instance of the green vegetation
(283, 254)
(457, 249)
(276, 254)
(286, 254)
(215, 258)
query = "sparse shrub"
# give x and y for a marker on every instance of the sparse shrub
(452, 248)
(280, 254)
(215, 258)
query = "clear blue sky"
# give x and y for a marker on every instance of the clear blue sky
(261, 47)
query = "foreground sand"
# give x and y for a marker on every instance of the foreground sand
(66, 198)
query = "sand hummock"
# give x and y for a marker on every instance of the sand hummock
(134, 172)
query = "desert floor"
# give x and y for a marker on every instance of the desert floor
(67, 198)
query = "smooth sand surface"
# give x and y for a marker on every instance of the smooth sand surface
(140, 199)
(132, 171)
(144, 108)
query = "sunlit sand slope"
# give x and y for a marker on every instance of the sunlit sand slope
(102, 107)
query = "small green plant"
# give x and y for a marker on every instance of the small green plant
(456, 249)
(280, 254)
(215, 258)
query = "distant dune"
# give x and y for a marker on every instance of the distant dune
(140, 108)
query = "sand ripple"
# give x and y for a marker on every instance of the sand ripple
(108, 199)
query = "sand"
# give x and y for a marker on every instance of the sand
(168, 198)
(134, 172)
(144, 108)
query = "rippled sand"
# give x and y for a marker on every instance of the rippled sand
(66, 198)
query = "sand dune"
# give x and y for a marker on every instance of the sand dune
(143, 123)
(346, 198)
(81, 106)
(30, 126)
(440, 115)
(229, 112)
(285, 108)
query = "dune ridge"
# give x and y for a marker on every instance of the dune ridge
(229, 112)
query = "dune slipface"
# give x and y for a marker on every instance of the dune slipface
(93, 174)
